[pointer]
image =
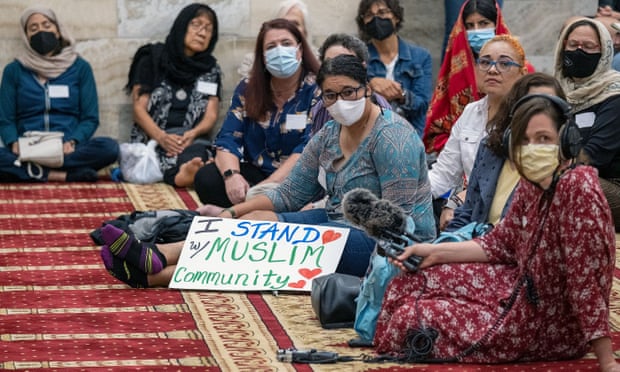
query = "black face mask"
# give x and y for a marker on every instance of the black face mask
(379, 28)
(579, 64)
(44, 42)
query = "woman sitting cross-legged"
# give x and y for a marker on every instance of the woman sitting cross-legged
(536, 287)
(49, 87)
(176, 88)
(266, 126)
(583, 58)
(362, 147)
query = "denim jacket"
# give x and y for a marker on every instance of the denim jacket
(414, 72)
(480, 190)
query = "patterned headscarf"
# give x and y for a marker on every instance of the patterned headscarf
(456, 84)
(604, 81)
(53, 66)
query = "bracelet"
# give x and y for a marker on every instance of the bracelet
(454, 202)
(450, 205)
(232, 212)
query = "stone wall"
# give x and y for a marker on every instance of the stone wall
(110, 31)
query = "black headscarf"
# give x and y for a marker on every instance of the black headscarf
(168, 61)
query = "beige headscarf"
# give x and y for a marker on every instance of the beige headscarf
(47, 66)
(602, 84)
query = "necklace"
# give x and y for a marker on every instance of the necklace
(284, 92)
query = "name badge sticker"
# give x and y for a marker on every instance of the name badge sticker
(585, 119)
(207, 87)
(58, 91)
(296, 122)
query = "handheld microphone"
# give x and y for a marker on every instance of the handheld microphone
(383, 221)
(306, 356)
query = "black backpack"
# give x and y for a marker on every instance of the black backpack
(161, 226)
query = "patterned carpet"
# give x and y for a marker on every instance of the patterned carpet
(60, 310)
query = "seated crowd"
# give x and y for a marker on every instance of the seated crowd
(535, 156)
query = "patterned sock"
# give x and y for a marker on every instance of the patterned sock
(123, 270)
(146, 258)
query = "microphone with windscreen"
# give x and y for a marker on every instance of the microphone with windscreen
(383, 221)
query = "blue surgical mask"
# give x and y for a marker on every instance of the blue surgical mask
(282, 61)
(477, 38)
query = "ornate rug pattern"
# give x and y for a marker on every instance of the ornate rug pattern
(60, 310)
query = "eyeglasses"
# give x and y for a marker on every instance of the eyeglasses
(196, 27)
(382, 13)
(347, 94)
(501, 65)
(587, 46)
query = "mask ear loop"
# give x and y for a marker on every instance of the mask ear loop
(372, 97)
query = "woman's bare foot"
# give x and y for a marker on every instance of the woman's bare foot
(187, 172)
(57, 176)
(210, 210)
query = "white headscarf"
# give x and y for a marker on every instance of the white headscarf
(47, 66)
(602, 84)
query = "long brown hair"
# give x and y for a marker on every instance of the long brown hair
(258, 95)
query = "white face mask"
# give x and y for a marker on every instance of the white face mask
(347, 113)
(539, 161)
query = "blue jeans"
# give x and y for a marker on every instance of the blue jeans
(357, 249)
(615, 63)
(96, 153)
(452, 10)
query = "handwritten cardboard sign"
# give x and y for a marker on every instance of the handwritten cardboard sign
(239, 255)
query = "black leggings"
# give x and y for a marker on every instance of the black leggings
(210, 187)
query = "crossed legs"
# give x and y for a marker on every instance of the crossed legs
(138, 264)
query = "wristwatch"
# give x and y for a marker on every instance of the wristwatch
(230, 172)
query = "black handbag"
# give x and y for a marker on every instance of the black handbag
(333, 299)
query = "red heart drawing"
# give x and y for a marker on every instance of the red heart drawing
(298, 284)
(309, 274)
(330, 236)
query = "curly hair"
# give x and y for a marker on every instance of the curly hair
(364, 6)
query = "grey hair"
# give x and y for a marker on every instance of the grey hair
(350, 42)
(287, 5)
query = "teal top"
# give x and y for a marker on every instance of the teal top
(390, 162)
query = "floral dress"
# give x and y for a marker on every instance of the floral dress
(543, 295)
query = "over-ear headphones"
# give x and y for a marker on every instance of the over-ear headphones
(570, 137)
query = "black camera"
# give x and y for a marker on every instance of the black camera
(393, 245)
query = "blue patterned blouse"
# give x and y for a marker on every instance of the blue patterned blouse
(390, 162)
(267, 144)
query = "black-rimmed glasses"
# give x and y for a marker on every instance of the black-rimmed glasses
(347, 94)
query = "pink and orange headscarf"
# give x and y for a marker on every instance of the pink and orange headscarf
(456, 84)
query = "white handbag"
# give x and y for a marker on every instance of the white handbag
(41, 148)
